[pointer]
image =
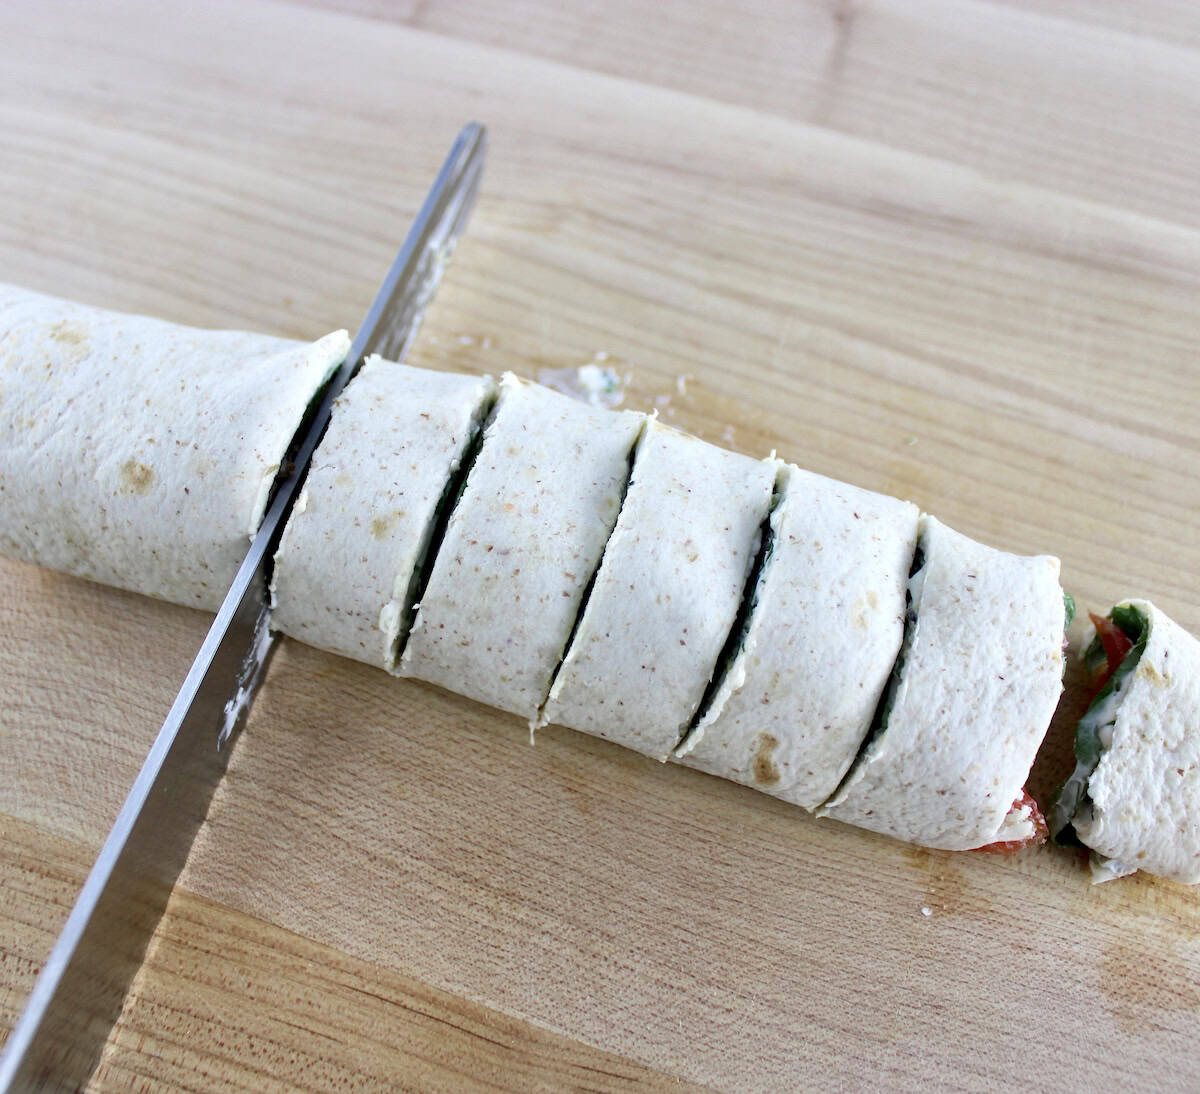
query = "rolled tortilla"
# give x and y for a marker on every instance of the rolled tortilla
(348, 558)
(520, 547)
(666, 595)
(1141, 810)
(140, 453)
(978, 680)
(827, 623)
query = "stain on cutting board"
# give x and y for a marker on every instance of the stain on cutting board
(947, 889)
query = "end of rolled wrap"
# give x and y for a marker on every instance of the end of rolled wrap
(1134, 796)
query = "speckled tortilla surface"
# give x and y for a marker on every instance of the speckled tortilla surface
(978, 686)
(364, 517)
(1145, 790)
(521, 546)
(667, 593)
(140, 453)
(823, 635)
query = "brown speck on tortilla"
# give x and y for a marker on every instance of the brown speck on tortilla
(136, 478)
(766, 771)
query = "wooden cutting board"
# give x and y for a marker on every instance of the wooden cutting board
(949, 251)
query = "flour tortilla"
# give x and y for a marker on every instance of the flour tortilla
(981, 675)
(826, 626)
(520, 547)
(1145, 790)
(363, 520)
(139, 453)
(666, 595)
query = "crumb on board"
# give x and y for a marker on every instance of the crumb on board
(594, 384)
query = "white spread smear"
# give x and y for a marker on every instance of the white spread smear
(1108, 869)
(594, 384)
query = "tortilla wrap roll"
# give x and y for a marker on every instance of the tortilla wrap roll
(1134, 797)
(666, 595)
(349, 556)
(977, 681)
(822, 637)
(521, 546)
(140, 453)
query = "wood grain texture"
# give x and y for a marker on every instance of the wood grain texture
(960, 268)
(225, 999)
(1072, 97)
(1175, 21)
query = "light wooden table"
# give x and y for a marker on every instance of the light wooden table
(946, 250)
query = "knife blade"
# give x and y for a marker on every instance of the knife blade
(78, 995)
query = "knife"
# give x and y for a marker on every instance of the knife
(78, 996)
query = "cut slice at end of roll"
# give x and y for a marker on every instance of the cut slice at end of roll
(969, 701)
(1134, 796)
(351, 556)
(822, 635)
(667, 593)
(521, 546)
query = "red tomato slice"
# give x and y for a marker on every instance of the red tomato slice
(1041, 830)
(1116, 645)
